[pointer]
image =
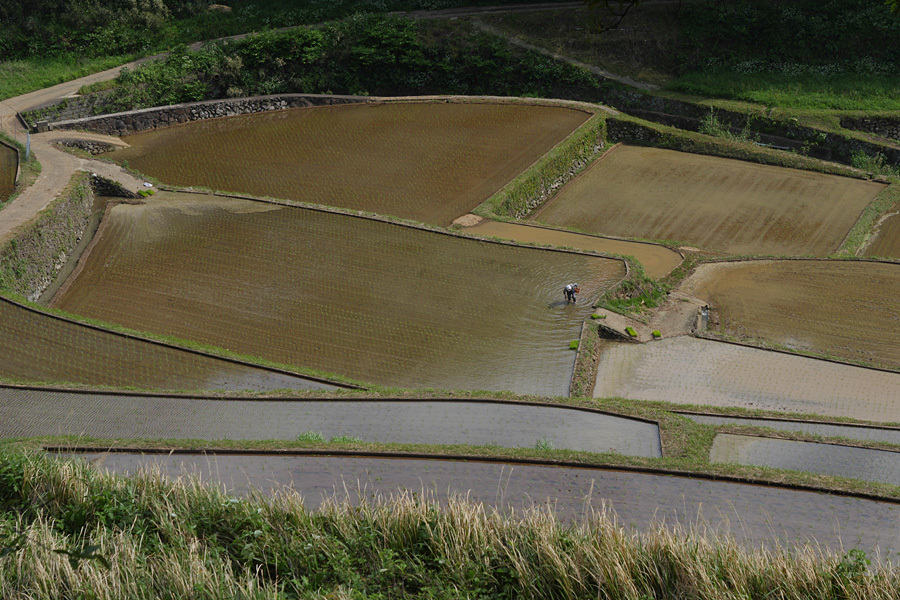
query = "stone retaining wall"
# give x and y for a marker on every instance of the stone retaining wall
(31, 260)
(885, 127)
(152, 118)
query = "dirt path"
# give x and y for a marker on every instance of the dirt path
(57, 168)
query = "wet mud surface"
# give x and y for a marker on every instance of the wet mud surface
(370, 300)
(887, 244)
(36, 347)
(688, 370)
(827, 459)
(428, 162)
(864, 434)
(40, 413)
(658, 261)
(7, 172)
(713, 203)
(846, 309)
(754, 515)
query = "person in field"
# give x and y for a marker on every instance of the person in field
(570, 290)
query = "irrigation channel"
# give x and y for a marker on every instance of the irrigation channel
(754, 515)
(474, 422)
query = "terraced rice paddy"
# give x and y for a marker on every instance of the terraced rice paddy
(430, 162)
(863, 433)
(402, 422)
(687, 370)
(887, 244)
(7, 171)
(847, 309)
(370, 300)
(38, 347)
(754, 515)
(713, 203)
(658, 261)
(882, 466)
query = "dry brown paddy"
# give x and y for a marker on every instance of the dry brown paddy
(370, 300)
(713, 203)
(428, 162)
(658, 261)
(687, 370)
(846, 309)
(887, 244)
(37, 347)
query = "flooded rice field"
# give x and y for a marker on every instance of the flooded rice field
(687, 370)
(8, 166)
(754, 515)
(887, 244)
(882, 466)
(430, 162)
(374, 301)
(658, 261)
(713, 203)
(852, 432)
(846, 309)
(401, 422)
(37, 347)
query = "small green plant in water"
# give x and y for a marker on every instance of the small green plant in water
(596, 316)
(311, 436)
(545, 443)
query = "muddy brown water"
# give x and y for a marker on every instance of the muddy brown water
(847, 309)
(430, 162)
(887, 244)
(8, 166)
(754, 515)
(658, 261)
(370, 300)
(36, 347)
(29, 413)
(714, 203)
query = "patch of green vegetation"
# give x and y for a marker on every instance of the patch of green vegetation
(573, 345)
(862, 230)
(656, 334)
(710, 125)
(524, 193)
(630, 331)
(37, 72)
(544, 444)
(309, 437)
(596, 316)
(345, 439)
(876, 165)
(636, 293)
(361, 55)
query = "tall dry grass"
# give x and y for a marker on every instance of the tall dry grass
(175, 540)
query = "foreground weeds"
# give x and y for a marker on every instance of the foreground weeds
(69, 531)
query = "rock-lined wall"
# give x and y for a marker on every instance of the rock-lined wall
(885, 127)
(31, 260)
(153, 118)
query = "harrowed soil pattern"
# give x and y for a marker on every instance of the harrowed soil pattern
(144, 414)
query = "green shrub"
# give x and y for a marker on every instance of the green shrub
(311, 436)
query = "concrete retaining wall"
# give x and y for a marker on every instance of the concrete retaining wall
(166, 116)
(31, 260)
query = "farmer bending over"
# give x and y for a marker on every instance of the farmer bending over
(570, 291)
